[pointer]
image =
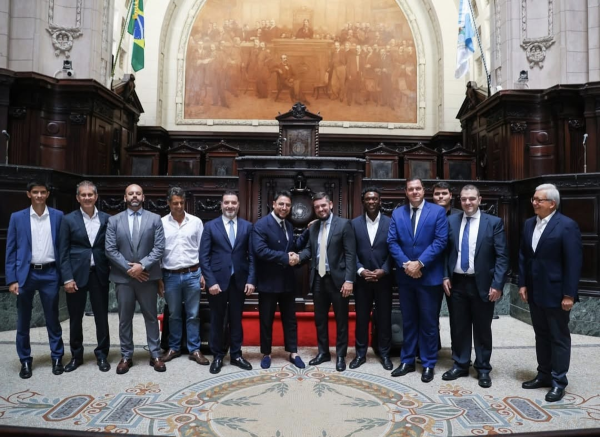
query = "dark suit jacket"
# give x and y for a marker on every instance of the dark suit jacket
(491, 253)
(553, 270)
(426, 246)
(376, 256)
(18, 244)
(341, 251)
(120, 250)
(270, 249)
(76, 250)
(217, 255)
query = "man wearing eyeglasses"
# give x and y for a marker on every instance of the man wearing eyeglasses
(550, 259)
(475, 273)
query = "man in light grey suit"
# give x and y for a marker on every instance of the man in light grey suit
(135, 243)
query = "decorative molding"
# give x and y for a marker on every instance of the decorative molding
(63, 36)
(421, 94)
(17, 112)
(105, 46)
(497, 22)
(77, 118)
(576, 123)
(518, 127)
(535, 48)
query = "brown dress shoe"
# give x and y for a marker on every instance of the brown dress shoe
(124, 365)
(158, 365)
(170, 355)
(199, 358)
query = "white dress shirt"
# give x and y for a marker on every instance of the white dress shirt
(418, 212)
(372, 227)
(92, 226)
(226, 223)
(279, 221)
(42, 247)
(328, 221)
(473, 231)
(182, 241)
(539, 229)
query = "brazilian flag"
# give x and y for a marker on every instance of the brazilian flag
(136, 28)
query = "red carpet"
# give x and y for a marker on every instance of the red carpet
(307, 333)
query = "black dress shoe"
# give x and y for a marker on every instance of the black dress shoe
(25, 370)
(357, 362)
(340, 364)
(485, 380)
(454, 373)
(241, 362)
(57, 366)
(216, 365)
(320, 358)
(73, 364)
(427, 375)
(103, 365)
(536, 382)
(387, 364)
(403, 369)
(555, 394)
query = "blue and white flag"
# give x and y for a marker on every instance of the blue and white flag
(466, 32)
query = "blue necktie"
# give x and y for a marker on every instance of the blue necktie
(464, 247)
(231, 239)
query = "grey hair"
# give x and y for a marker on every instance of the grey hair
(551, 192)
(86, 184)
(175, 191)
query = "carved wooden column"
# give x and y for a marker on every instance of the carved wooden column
(574, 146)
(6, 80)
(516, 152)
(592, 123)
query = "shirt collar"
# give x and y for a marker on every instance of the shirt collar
(277, 219)
(373, 221)
(544, 220)
(226, 220)
(32, 212)
(185, 217)
(94, 215)
(131, 212)
(475, 216)
(419, 207)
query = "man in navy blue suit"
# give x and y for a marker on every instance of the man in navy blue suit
(417, 239)
(227, 265)
(373, 283)
(550, 260)
(32, 260)
(84, 268)
(476, 266)
(274, 250)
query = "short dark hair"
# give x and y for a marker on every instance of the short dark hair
(321, 195)
(284, 193)
(86, 184)
(38, 183)
(371, 189)
(175, 191)
(471, 187)
(442, 186)
(414, 178)
(230, 193)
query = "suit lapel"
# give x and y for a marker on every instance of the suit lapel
(103, 219)
(27, 225)
(81, 226)
(125, 222)
(422, 218)
(548, 230)
(406, 218)
(331, 229)
(482, 231)
(456, 232)
(364, 229)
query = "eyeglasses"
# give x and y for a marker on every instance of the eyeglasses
(536, 200)
(468, 199)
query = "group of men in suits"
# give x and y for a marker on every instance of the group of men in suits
(434, 248)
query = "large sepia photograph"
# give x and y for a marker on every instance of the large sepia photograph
(351, 60)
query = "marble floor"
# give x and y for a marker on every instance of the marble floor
(285, 401)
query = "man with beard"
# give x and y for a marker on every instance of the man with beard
(332, 249)
(374, 283)
(135, 242)
(417, 239)
(228, 268)
(274, 250)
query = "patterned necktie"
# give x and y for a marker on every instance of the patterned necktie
(413, 220)
(323, 250)
(283, 231)
(464, 247)
(135, 234)
(231, 239)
